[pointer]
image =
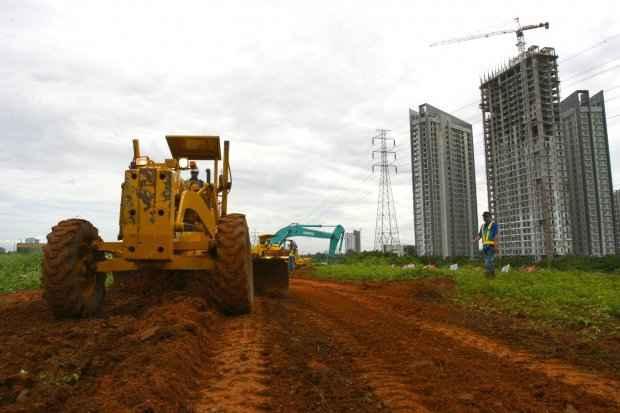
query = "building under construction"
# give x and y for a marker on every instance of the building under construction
(444, 183)
(526, 173)
(584, 131)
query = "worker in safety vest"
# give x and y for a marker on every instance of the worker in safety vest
(488, 235)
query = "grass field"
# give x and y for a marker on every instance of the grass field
(19, 272)
(576, 298)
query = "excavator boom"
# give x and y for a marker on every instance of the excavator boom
(273, 261)
(305, 230)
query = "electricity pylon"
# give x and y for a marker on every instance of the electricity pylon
(386, 225)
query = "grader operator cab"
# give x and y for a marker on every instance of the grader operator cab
(166, 224)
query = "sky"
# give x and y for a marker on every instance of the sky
(299, 89)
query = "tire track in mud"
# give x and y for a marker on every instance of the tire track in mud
(381, 375)
(365, 383)
(596, 385)
(311, 371)
(441, 372)
(554, 369)
(238, 382)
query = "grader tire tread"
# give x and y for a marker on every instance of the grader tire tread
(231, 287)
(71, 286)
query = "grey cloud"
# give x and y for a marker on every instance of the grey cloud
(298, 89)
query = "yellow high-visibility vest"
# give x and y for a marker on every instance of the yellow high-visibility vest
(486, 234)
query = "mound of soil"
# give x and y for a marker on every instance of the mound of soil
(432, 290)
(145, 354)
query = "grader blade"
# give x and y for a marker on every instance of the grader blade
(270, 276)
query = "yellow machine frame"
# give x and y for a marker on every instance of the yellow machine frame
(265, 250)
(155, 202)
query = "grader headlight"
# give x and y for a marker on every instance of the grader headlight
(183, 163)
(142, 160)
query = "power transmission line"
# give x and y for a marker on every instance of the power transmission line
(594, 46)
(594, 75)
(473, 103)
(565, 83)
(328, 202)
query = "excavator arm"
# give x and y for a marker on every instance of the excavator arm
(271, 271)
(300, 230)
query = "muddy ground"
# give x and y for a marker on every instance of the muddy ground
(326, 347)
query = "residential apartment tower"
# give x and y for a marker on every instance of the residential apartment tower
(584, 131)
(444, 183)
(617, 215)
(353, 241)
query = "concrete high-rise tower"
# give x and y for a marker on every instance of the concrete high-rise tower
(352, 241)
(617, 215)
(444, 183)
(525, 163)
(584, 131)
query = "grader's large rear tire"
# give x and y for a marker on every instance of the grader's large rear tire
(71, 285)
(231, 287)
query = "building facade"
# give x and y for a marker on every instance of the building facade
(353, 241)
(617, 215)
(525, 163)
(444, 183)
(590, 190)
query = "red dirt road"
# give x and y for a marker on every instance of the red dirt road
(326, 347)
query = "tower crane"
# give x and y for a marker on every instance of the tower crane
(519, 31)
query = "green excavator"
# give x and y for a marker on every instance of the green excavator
(273, 261)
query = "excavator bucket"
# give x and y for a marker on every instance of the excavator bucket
(270, 276)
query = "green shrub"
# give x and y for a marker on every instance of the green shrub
(19, 271)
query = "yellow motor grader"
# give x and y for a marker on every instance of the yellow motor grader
(167, 224)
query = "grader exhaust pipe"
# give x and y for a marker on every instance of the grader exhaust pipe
(136, 149)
